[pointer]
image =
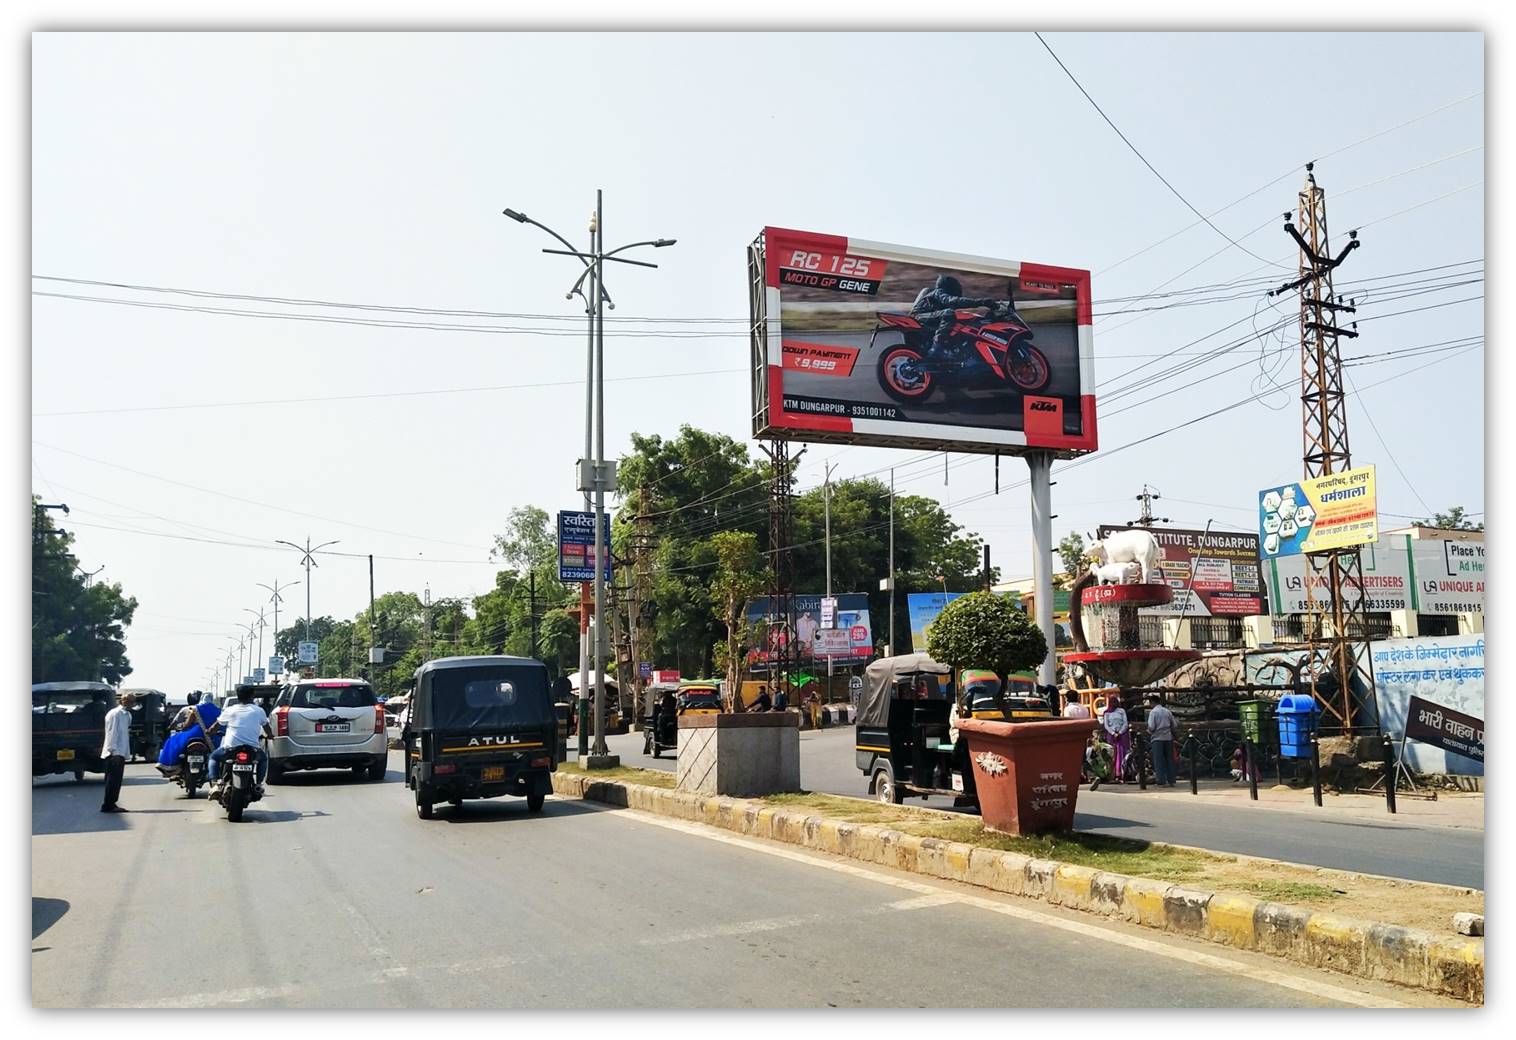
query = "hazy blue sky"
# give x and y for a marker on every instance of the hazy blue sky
(373, 168)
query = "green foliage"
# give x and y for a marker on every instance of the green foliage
(983, 630)
(77, 632)
(1453, 520)
(1071, 552)
(739, 576)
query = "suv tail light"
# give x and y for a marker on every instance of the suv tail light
(379, 718)
(282, 721)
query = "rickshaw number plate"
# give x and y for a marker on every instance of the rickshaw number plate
(958, 782)
(64, 754)
(493, 773)
(334, 727)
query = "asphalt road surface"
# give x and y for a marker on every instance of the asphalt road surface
(332, 893)
(1445, 855)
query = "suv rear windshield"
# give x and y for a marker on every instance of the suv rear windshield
(315, 695)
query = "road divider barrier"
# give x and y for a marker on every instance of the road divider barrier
(1452, 965)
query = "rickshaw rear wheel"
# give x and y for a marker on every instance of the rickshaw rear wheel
(423, 807)
(885, 789)
(78, 776)
(534, 801)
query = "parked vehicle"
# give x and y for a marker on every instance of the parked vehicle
(238, 785)
(480, 727)
(68, 727)
(993, 350)
(328, 724)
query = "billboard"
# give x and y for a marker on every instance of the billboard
(1426, 575)
(1319, 514)
(576, 545)
(922, 608)
(1433, 683)
(849, 641)
(860, 342)
(1212, 575)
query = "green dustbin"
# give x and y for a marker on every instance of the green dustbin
(1256, 715)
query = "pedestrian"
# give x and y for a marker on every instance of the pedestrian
(763, 701)
(1073, 707)
(1116, 725)
(1161, 732)
(117, 748)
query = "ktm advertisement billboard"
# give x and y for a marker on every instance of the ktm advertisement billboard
(860, 342)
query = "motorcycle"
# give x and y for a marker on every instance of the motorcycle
(238, 785)
(994, 348)
(191, 775)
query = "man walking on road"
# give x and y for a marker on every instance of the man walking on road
(1161, 731)
(118, 746)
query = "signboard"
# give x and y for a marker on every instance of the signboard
(773, 634)
(276, 665)
(922, 608)
(832, 642)
(258, 675)
(665, 676)
(1220, 571)
(1443, 674)
(576, 545)
(1444, 728)
(644, 670)
(828, 611)
(1425, 575)
(309, 651)
(844, 347)
(1319, 514)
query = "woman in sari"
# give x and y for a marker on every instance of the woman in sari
(1113, 719)
(202, 721)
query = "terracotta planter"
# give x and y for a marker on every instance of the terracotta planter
(1027, 773)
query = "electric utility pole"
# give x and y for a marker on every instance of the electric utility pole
(1147, 519)
(1325, 434)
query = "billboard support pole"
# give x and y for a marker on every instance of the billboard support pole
(889, 643)
(1040, 463)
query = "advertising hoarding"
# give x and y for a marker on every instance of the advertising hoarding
(771, 634)
(1220, 570)
(922, 608)
(1319, 514)
(846, 347)
(1445, 674)
(576, 545)
(309, 651)
(1426, 575)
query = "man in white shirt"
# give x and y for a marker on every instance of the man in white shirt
(116, 750)
(241, 723)
(1074, 708)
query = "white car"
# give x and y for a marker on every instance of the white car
(328, 724)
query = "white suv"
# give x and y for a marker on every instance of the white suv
(328, 723)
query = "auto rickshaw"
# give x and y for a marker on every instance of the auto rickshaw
(700, 697)
(904, 743)
(68, 727)
(1021, 700)
(148, 728)
(660, 728)
(480, 727)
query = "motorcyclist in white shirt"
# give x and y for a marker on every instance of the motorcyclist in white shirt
(241, 724)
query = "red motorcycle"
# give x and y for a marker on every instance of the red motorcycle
(990, 349)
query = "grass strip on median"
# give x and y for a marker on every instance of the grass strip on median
(623, 774)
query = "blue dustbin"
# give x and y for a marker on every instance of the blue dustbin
(1296, 715)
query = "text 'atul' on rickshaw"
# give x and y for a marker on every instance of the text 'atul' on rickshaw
(906, 733)
(480, 727)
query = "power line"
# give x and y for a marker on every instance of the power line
(1139, 155)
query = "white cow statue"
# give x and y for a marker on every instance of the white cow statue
(1117, 573)
(1138, 547)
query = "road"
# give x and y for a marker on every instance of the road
(1445, 855)
(333, 894)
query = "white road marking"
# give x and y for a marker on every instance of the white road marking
(771, 924)
(226, 996)
(1311, 987)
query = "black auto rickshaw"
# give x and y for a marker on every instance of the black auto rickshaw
(904, 743)
(148, 728)
(68, 727)
(660, 729)
(981, 692)
(480, 727)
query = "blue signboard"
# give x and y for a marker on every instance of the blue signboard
(576, 545)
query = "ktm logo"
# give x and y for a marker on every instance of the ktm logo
(1044, 406)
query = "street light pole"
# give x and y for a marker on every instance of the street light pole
(308, 553)
(594, 271)
(276, 599)
(258, 663)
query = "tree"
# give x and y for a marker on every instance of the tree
(78, 632)
(739, 576)
(529, 541)
(983, 630)
(1453, 520)
(1071, 551)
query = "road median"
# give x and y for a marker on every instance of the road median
(1131, 881)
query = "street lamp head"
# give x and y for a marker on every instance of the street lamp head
(660, 243)
(519, 218)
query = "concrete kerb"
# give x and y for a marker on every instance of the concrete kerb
(1452, 965)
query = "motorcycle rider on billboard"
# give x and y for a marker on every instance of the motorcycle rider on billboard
(936, 309)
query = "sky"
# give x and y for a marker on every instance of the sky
(372, 169)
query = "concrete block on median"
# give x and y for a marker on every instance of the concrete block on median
(1280, 929)
(1338, 943)
(1396, 954)
(1468, 924)
(1142, 901)
(1039, 877)
(1071, 886)
(1184, 910)
(1455, 966)
(1105, 893)
(1232, 920)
